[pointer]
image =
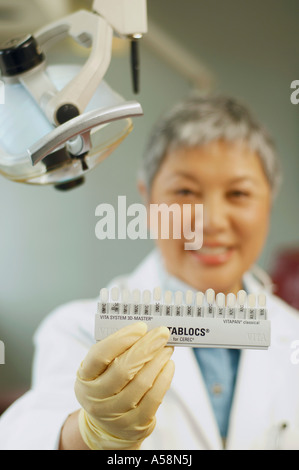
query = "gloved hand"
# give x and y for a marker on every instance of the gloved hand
(120, 385)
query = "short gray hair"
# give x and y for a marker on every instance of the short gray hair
(198, 120)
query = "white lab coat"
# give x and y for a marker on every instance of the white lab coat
(265, 410)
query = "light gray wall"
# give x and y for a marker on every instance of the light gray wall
(49, 252)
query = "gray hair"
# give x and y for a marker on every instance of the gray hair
(196, 121)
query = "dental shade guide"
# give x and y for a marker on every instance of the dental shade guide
(194, 319)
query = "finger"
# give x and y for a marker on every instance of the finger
(131, 395)
(104, 352)
(154, 397)
(124, 368)
(144, 380)
(139, 422)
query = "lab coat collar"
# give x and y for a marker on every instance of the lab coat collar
(151, 272)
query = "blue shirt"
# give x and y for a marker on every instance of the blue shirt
(219, 367)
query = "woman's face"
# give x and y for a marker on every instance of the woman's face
(228, 179)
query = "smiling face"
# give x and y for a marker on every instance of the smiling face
(228, 179)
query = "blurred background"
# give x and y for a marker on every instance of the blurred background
(49, 252)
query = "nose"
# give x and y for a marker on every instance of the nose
(215, 215)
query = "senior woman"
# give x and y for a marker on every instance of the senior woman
(208, 151)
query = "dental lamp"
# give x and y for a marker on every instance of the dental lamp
(60, 121)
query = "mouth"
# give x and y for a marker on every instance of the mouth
(213, 250)
(213, 255)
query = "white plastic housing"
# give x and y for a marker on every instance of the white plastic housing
(89, 30)
(23, 125)
(194, 332)
(191, 325)
(127, 17)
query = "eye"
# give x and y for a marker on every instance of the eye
(238, 194)
(184, 192)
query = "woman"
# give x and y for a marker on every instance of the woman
(208, 151)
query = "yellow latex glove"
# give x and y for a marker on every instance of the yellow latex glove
(120, 385)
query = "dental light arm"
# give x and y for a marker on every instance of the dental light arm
(80, 125)
(127, 17)
(72, 124)
(87, 29)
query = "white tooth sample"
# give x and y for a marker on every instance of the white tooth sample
(189, 303)
(178, 301)
(167, 307)
(135, 306)
(220, 305)
(199, 304)
(251, 304)
(262, 310)
(262, 300)
(241, 301)
(125, 299)
(146, 296)
(103, 303)
(146, 303)
(114, 305)
(230, 305)
(104, 295)
(156, 307)
(241, 297)
(114, 294)
(210, 299)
